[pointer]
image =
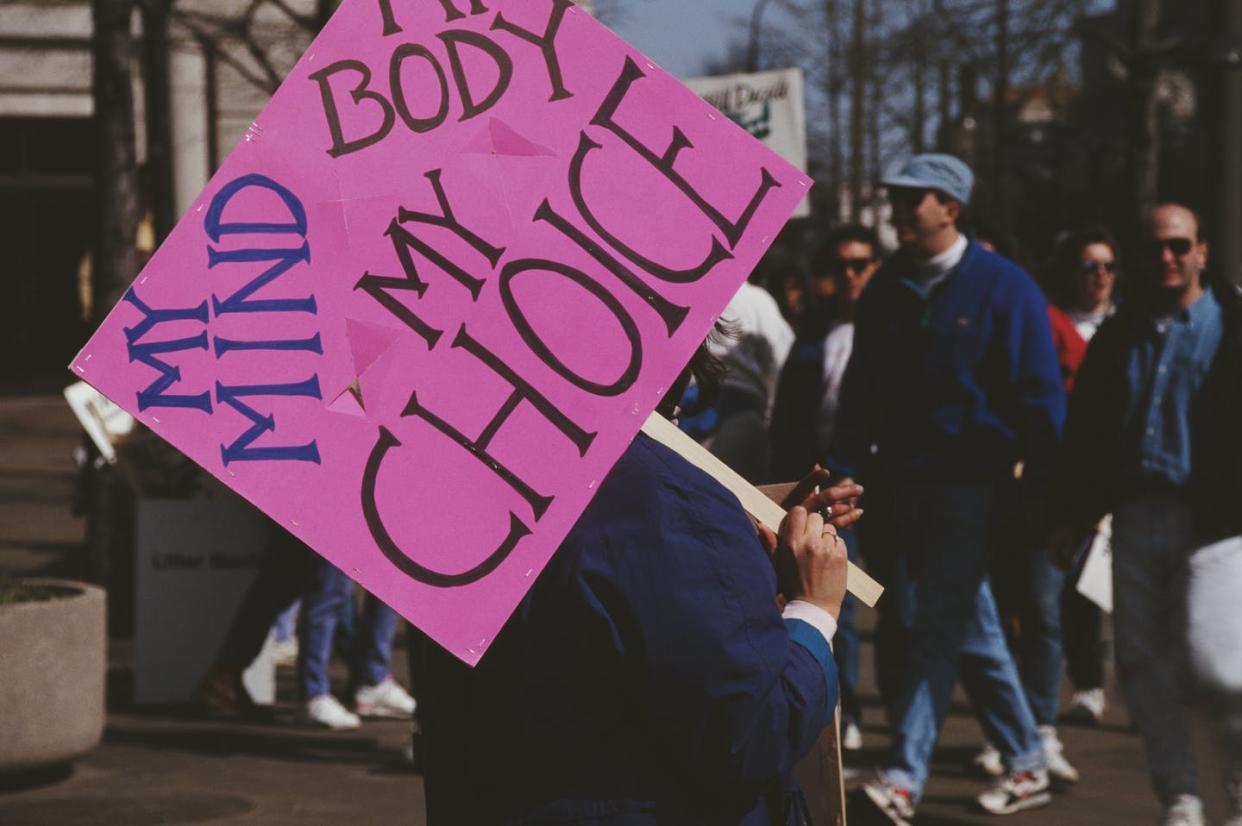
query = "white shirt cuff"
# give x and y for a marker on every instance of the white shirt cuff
(812, 615)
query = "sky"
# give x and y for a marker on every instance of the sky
(679, 35)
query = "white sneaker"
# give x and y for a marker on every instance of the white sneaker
(326, 710)
(851, 737)
(1086, 707)
(988, 762)
(1187, 810)
(388, 699)
(1016, 792)
(1059, 768)
(889, 800)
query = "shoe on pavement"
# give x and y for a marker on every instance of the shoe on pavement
(851, 737)
(223, 695)
(885, 802)
(325, 710)
(1016, 792)
(1086, 707)
(1059, 769)
(387, 699)
(1187, 810)
(987, 762)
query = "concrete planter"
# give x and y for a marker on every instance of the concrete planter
(52, 668)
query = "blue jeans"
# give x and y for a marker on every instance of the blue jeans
(286, 624)
(845, 644)
(328, 592)
(947, 531)
(1040, 642)
(1152, 538)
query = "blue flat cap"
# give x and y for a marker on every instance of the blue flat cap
(935, 171)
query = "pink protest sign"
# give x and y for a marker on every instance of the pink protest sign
(427, 303)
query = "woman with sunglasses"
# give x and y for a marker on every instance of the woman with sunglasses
(1082, 279)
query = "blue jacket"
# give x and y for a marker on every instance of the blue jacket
(646, 678)
(956, 385)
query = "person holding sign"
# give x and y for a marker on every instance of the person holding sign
(648, 676)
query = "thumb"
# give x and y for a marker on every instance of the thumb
(768, 539)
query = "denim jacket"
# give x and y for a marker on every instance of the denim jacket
(1147, 406)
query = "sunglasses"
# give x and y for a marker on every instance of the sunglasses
(904, 195)
(1177, 246)
(1110, 267)
(855, 265)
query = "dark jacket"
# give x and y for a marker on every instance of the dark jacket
(799, 396)
(646, 678)
(1218, 491)
(1096, 471)
(955, 385)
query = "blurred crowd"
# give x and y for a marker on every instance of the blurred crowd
(1010, 431)
(1007, 426)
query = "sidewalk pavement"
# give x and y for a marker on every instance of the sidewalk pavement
(169, 767)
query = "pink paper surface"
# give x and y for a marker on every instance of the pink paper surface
(430, 401)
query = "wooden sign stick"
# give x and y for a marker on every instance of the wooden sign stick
(756, 503)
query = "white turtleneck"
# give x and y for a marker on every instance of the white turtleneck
(931, 272)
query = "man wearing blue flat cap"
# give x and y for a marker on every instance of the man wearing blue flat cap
(953, 380)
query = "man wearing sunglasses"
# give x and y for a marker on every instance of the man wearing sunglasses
(953, 379)
(1152, 438)
(806, 407)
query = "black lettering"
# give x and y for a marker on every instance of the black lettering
(671, 314)
(390, 22)
(404, 241)
(546, 44)
(341, 146)
(714, 256)
(522, 391)
(447, 220)
(402, 560)
(451, 13)
(545, 354)
(732, 230)
(453, 39)
(377, 285)
(408, 240)
(398, 91)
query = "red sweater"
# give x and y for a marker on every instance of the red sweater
(1070, 346)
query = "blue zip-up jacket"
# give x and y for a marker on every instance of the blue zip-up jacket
(954, 385)
(647, 678)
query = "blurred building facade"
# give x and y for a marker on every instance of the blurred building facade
(1070, 138)
(219, 76)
